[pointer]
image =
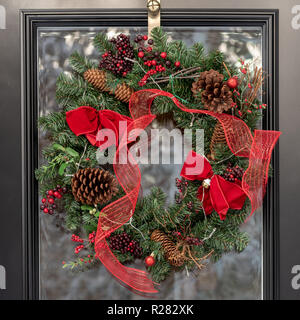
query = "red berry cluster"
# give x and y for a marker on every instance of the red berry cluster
(124, 243)
(78, 248)
(192, 241)
(190, 205)
(156, 61)
(48, 204)
(181, 184)
(92, 237)
(75, 238)
(117, 63)
(151, 72)
(233, 173)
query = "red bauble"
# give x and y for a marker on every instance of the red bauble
(56, 194)
(145, 37)
(232, 83)
(149, 261)
(177, 64)
(163, 55)
(141, 54)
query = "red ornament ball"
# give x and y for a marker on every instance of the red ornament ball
(56, 194)
(232, 83)
(177, 64)
(141, 54)
(145, 37)
(149, 261)
(163, 55)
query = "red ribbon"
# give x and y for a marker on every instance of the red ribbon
(88, 121)
(221, 194)
(240, 141)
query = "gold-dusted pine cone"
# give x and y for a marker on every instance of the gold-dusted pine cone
(93, 186)
(123, 92)
(173, 255)
(218, 136)
(215, 94)
(98, 79)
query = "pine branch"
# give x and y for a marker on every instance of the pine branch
(102, 43)
(79, 63)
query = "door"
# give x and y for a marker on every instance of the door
(48, 36)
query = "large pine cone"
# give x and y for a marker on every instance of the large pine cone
(215, 94)
(98, 79)
(93, 185)
(174, 256)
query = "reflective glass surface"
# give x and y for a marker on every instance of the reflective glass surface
(235, 276)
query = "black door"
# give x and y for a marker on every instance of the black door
(28, 251)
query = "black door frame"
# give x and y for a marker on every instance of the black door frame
(32, 19)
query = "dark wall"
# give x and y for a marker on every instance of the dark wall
(10, 129)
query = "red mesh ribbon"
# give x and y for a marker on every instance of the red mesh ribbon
(240, 141)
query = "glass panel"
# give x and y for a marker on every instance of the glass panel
(235, 276)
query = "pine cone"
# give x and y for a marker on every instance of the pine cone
(174, 256)
(218, 136)
(123, 92)
(93, 185)
(215, 94)
(98, 79)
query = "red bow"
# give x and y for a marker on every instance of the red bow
(88, 121)
(215, 192)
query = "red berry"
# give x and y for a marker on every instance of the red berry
(44, 200)
(163, 55)
(145, 37)
(141, 54)
(177, 64)
(56, 194)
(50, 192)
(51, 200)
(149, 261)
(153, 62)
(232, 83)
(46, 210)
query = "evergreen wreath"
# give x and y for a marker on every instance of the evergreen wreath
(167, 238)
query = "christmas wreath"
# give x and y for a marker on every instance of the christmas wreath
(135, 82)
